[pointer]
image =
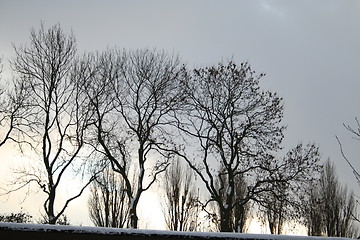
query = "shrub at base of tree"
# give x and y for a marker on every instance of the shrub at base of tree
(20, 217)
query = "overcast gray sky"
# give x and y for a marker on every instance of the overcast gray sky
(309, 49)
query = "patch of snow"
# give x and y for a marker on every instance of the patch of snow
(119, 231)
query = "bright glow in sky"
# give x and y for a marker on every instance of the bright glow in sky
(309, 50)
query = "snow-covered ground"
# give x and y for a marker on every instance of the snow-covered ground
(154, 233)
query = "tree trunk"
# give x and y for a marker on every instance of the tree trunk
(225, 222)
(239, 221)
(133, 218)
(50, 213)
(132, 211)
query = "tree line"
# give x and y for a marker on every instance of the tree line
(124, 119)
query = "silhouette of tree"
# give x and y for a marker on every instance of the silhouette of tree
(313, 211)
(338, 204)
(57, 115)
(331, 206)
(240, 213)
(286, 202)
(181, 200)
(108, 205)
(238, 129)
(131, 96)
(12, 112)
(355, 132)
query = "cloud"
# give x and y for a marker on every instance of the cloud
(272, 9)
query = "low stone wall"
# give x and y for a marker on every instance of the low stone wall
(14, 231)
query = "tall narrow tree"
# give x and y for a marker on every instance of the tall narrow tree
(314, 219)
(108, 205)
(338, 204)
(331, 207)
(180, 200)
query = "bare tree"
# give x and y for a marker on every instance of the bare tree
(356, 135)
(347, 227)
(314, 220)
(237, 128)
(181, 199)
(108, 205)
(331, 206)
(57, 114)
(131, 95)
(240, 213)
(285, 202)
(276, 209)
(273, 210)
(338, 204)
(12, 103)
